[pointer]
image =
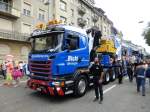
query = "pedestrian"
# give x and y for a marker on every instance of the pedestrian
(119, 72)
(140, 74)
(17, 74)
(97, 72)
(26, 69)
(20, 65)
(124, 66)
(148, 73)
(135, 64)
(4, 69)
(130, 70)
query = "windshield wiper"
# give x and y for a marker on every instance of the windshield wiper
(51, 50)
(39, 52)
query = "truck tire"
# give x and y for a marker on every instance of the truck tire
(113, 75)
(106, 77)
(80, 86)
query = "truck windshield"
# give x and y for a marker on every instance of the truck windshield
(50, 43)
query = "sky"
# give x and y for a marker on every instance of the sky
(126, 14)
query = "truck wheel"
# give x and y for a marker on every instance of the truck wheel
(107, 78)
(80, 86)
(113, 75)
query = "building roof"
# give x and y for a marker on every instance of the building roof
(100, 10)
(88, 3)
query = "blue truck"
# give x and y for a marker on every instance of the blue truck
(59, 61)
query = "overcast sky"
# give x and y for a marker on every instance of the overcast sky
(125, 15)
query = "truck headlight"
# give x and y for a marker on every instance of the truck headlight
(56, 83)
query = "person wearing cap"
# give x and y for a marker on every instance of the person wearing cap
(97, 72)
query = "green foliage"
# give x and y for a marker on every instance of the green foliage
(146, 34)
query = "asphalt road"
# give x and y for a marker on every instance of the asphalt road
(117, 98)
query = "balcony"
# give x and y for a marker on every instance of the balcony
(8, 35)
(81, 10)
(81, 22)
(7, 10)
(95, 18)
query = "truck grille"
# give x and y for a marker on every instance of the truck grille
(40, 68)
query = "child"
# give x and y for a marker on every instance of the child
(17, 74)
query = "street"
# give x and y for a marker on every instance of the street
(117, 98)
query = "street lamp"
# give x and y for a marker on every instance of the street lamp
(47, 2)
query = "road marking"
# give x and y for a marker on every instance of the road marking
(105, 91)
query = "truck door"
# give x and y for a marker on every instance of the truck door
(75, 53)
(72, 58)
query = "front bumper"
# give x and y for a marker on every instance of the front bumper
(46, 87)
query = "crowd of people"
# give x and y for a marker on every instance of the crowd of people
(140, 71)
(13, 71)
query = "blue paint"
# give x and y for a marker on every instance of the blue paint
(64, 63)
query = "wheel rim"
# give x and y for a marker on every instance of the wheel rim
(82, 86)
(107, 77)
(114, 76)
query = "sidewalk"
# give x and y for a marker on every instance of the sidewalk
(23, 80)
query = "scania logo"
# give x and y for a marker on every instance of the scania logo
(39, 56)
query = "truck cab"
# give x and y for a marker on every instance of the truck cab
(58, 53)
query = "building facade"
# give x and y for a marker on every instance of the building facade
(81, 13)
(18, 19)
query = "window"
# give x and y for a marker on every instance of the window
(27, 9)
(108, 32)
(52, 42)
(105, 28)
(42, 1)
(41, 15)
(73, 42)
(63, 5)
(6, 1)
(88, 21)
(64, 19)
(72, 12)
(26, 28)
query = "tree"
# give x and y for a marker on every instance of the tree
(146, 34)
